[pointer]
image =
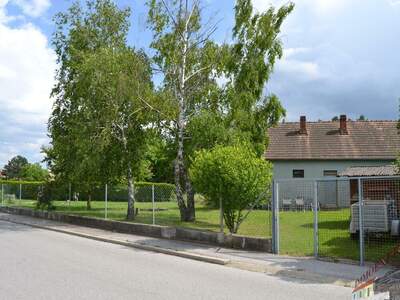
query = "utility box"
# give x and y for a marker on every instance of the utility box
(377, 216)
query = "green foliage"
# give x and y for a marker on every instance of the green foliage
(160, 156)
(248, 63)
(234, 175)
(14, 167)
(102, 98)
(81, 31)
(45, 196)
(187, 59)
(34, 172)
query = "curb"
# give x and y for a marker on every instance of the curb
(182, 254)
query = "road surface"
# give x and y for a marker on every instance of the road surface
(40, 264)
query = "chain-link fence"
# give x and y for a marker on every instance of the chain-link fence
(18, 194)
(155, 203)
(322, 217)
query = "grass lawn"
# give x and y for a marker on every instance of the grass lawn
(296, 228)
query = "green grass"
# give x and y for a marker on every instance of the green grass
(258, 224)
(296, 228)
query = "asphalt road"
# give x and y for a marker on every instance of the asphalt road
(40, 264)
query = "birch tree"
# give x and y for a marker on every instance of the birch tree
(185, 56)
(97, 127)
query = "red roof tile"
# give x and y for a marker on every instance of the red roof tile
(366, 140)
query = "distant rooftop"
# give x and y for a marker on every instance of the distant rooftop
(334, 140)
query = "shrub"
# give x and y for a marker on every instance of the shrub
(233, 176)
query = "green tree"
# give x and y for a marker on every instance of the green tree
(235, 177)
(117, 103)
(362, 118)
(97, 126)
(186, 57)
(335, 118)
(14, 167)
(203, 113)
(248, 65)
(34, 172)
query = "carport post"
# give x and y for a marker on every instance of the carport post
(105, 201)
(315, 206)
(275, 217)
(360, 222)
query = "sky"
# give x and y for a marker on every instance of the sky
(340, 57)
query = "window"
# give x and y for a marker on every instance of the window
(330, 173)
(298, 173)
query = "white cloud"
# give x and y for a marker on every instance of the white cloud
(319, 7)
(27, 65)
(33, 8)
(304, 70)
(289, 52)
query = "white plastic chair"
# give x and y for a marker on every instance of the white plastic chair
(300, 203)
(287, 203)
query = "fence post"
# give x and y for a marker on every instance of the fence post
(221, 216)
(360, 222)
(153, 203)
(2, 194)
(69, 194)
(315, 205)
(20, 193)
(105, 201)
(275, 218)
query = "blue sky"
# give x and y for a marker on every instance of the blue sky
(341, 57)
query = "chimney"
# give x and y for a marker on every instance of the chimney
(343, 125)
(303, 125)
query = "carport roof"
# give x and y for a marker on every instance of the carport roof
(389, 170)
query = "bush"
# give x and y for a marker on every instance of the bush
(234, 176)
(45, 196)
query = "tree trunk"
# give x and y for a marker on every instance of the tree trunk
(130, 215)
(187, 210)
(89, 202)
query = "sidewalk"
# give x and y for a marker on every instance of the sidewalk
(292, 268)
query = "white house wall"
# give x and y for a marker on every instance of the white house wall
(332, 193)
(315, 169)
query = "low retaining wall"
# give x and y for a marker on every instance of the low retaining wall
(178, 233)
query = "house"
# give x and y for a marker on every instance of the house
(325, 149)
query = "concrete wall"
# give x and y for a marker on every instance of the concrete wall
(185, 234)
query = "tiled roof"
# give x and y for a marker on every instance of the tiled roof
(389, 170)
(366, 140)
